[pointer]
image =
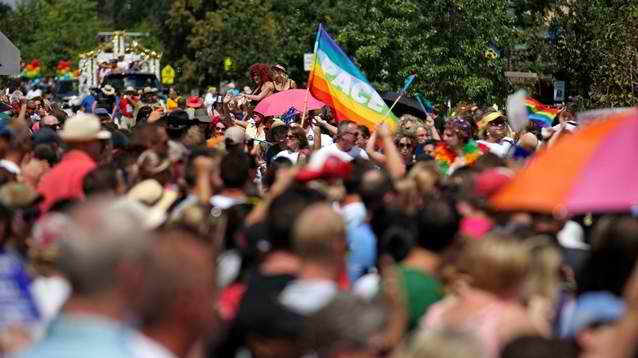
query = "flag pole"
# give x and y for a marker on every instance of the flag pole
(391, 107)
(312, 70)
(406, 85)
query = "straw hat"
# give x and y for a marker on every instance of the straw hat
(108, 90)
(279, 68)
(83, 128)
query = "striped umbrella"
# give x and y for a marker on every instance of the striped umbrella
(592, 170)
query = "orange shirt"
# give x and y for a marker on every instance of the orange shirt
(65, 180)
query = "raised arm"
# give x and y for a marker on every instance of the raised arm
(332, 129)
(266, 90)
(393, 162)
(376, 157)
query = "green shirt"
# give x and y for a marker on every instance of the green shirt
(422, 290)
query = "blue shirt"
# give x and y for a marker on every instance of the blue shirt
(83, 336)
(87, 104)
(363, 250)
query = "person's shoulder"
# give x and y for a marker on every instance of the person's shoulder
(359, 152)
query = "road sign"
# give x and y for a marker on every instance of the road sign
(559, 91)
(307, 62)
(9, 57)
(228, 64)
(168, 75)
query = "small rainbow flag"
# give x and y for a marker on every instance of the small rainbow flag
(541, 114)
(336, 81)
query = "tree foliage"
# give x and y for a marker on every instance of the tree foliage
(52, 30)
(591, 44)
(597, 46)
(443, 41)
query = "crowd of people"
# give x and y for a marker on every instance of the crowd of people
(143, 225)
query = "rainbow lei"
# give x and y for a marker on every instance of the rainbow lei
(444, 156)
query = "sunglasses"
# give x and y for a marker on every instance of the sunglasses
(404, 145)
(496, 123)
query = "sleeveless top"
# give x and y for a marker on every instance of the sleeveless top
(289, 84)
(483, 324)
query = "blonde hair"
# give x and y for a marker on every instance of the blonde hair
(544, 279)
(426, 175)
(496, 264)
(408, 195)
(317, 233)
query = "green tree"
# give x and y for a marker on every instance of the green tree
(443, 41)
(52, 30)
(597, 47)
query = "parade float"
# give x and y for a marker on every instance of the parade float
(127, 57)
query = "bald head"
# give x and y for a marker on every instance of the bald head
(179, 283)
(320, 243)
(50, 121)
(96, 242)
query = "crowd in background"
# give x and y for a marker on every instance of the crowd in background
(141, 225)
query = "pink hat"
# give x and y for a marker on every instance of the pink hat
(491, 181)
(194, 102)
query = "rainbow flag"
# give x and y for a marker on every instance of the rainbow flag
(337, 81)
(540, 113)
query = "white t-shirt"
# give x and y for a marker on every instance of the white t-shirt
(308, 296)
(317, 160)
(326, 140)
(293, 156)
(502, 148)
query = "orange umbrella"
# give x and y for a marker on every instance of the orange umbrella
(591, 170)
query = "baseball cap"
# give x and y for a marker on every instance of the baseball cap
(235, 135)
(83, 127)
(331, 168)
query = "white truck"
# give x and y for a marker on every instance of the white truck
(134, 65)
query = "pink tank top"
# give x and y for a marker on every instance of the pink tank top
(483, 324)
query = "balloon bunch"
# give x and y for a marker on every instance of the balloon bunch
(64, 72)
(31, 70)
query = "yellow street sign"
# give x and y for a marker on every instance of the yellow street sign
(168, 75)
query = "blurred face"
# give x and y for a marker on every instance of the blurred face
(160, 142)
(406, 149)
(497, 129)
(219, 129)
(421, 135)
(278, 75)
(279, 135)
(451, 138)
(362, 141)
(33, 106)
(350, 137)
(255, 77)
(292, 142)
(408, 126)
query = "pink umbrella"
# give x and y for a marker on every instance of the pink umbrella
(279, 103)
